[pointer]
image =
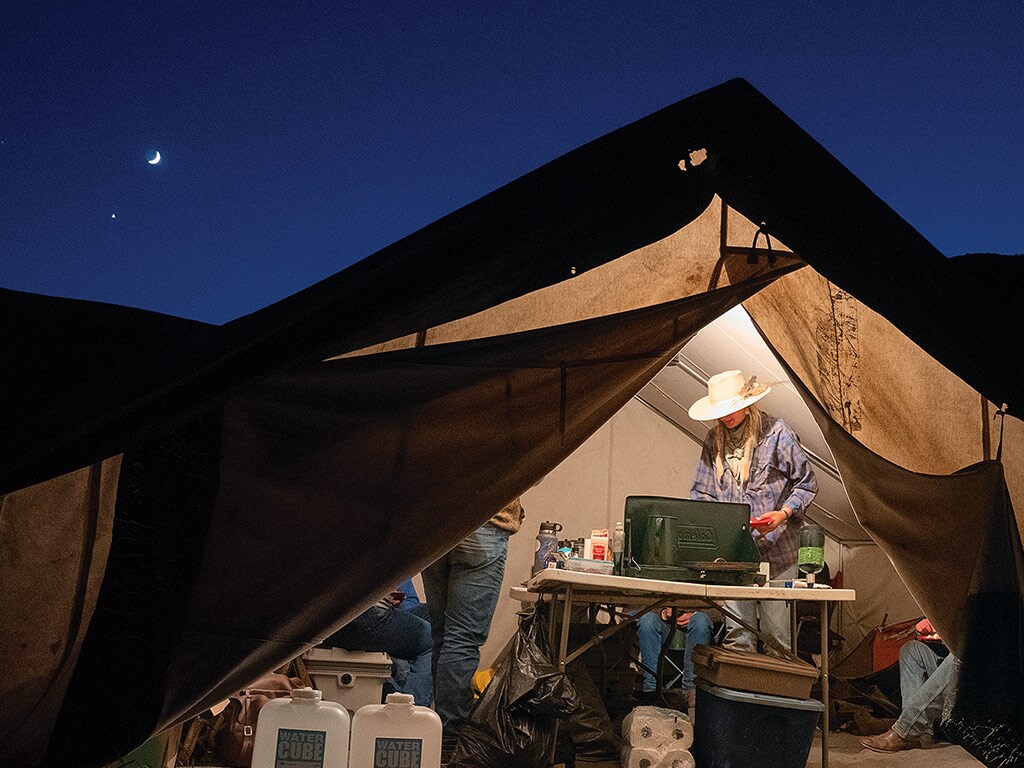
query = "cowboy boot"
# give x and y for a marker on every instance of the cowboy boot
(890, 741)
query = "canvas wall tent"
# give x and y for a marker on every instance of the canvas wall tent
(652, 446)
(151, 493)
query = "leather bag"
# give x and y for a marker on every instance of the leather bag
(235, 734)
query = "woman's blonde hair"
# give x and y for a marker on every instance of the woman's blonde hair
(750, 434)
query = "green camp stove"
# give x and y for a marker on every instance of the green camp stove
(690, 540)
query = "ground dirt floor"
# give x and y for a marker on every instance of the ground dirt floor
(845, 750)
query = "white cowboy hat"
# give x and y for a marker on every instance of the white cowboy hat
(728, 392)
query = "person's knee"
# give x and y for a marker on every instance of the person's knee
(913, 652)
(422, 639)
(700, 624)
(648, 622)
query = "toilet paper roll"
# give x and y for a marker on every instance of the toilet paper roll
(657, 727)
(677, 758)
(641, 757)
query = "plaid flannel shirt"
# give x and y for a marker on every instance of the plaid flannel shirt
(780, 476)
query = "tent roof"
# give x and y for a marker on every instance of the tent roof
(609, 197)
(228, 431)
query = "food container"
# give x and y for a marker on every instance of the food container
(586, 565)
(753, 672)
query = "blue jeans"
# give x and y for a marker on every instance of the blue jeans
(462, 590)
(924, 681)
(769, 616)
(401, 635)
(652, 633)
(414, 676)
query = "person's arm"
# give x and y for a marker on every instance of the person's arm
(801, 473)
(803, 486)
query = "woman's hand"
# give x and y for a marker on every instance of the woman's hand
(769, 521)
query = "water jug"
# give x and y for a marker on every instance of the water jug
(303, 730)
(396, 734)
(547, 544)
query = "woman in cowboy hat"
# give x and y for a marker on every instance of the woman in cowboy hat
(753, 458)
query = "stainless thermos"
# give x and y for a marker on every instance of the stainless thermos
(547, 545)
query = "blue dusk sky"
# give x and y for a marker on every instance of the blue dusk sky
(297, 138)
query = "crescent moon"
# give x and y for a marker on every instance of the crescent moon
(155, 159)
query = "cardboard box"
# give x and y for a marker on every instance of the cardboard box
(351, 678)
(740, 729)
(753, 672)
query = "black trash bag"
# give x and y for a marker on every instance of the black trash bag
(590, 728)
(513, 723)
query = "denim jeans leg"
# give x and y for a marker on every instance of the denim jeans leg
(435, 589)
(419, 680)
(736, 637)
(923, 685)
(401, 635)
(462, 591)
(651, 634)
(698, 632)
(769, 616)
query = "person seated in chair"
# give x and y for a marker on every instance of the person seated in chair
(925, 679)
(406, 599)
(653, 630)
(399, 633)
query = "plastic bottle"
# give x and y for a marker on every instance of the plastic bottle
(301, 730)
(811, 556)
(618, 545)
(396, 734)
(547, 545)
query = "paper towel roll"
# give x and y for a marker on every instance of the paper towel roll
(657, 727)
(677, 758)
(641, 757)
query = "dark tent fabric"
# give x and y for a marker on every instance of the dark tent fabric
(76, 374)
(975, 598)
(613, 195)
(185, 401)
(326, 473)
(953, 540)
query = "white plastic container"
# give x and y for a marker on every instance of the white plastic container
(352, 678)
(302, 731)
(396, 734)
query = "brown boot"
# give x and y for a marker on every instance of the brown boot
(890, 741)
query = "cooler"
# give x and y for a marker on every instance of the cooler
(351, 678)
(739, 729)
(754, 672)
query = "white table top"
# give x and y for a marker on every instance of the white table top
(631, 588)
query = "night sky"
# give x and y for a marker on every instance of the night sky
(296, 141)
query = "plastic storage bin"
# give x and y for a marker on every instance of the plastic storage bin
(351, 678)
(739, 729)
(301, 731)
(396, 734)
(587, 565)
(753, 672)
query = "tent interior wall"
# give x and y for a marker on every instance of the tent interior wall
(652, 447)
(507, 349)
